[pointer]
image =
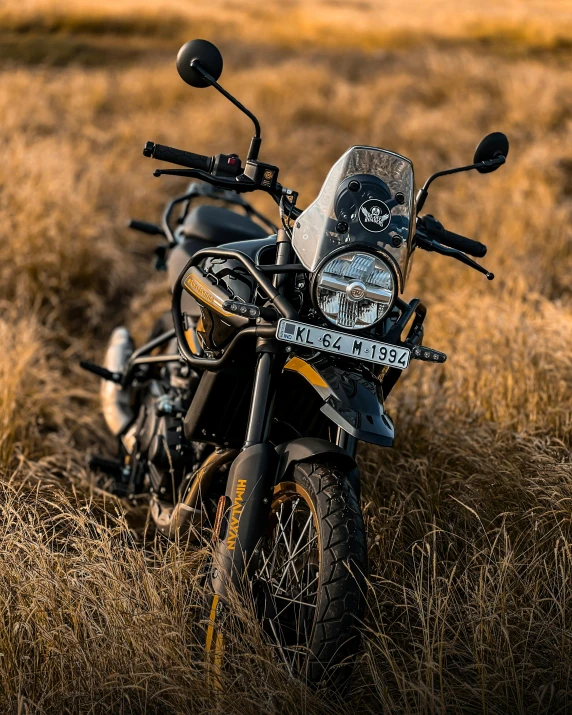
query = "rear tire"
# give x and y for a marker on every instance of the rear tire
(312, 574)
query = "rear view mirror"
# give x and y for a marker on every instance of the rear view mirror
(493, 146)
(199, 51)
(199, 63)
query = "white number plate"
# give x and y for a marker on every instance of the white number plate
(331, 341)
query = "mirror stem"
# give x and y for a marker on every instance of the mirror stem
(420, 199)
(424, 192)
(254, 148)
(256, 139)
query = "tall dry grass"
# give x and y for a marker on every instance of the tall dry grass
(469, 517)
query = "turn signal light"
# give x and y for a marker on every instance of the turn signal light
(246, 310)
(420, 352)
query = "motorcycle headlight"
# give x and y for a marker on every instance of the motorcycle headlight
(355, 290)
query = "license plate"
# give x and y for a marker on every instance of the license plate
(353, 346)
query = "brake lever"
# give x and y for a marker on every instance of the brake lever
(429, 244)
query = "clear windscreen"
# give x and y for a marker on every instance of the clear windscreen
(366, 200)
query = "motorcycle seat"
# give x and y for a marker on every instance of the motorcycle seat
(216, 225)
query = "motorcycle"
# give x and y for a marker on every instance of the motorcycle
(239, 419)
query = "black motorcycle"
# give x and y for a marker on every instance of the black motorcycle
(241, 415)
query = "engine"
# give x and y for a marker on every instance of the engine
(158, 438)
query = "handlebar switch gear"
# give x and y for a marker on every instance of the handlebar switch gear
(227, 165)
(261, 174)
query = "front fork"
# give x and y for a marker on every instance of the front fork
(253, 473)
(250, 483)
(246, 506)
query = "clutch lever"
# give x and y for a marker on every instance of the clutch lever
(238, 185)
(429, 244)
(218, 181)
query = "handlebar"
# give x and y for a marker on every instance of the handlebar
(436, 231)
(225, 171)
(431, 236)
(178, 156)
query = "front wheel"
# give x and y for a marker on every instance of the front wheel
(310, 582)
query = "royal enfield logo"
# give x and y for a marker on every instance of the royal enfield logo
(374, 215)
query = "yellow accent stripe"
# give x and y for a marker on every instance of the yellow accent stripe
(211, 626)
(306, 370)
(214, 655)
(192, 341)
(202, 293)
(217, 664)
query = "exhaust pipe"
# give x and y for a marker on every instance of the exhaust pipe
(172, 520)
(114, 399)
(176, 520)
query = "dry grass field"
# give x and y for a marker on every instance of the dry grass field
(469, 517)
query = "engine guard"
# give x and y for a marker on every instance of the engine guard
(351, 401)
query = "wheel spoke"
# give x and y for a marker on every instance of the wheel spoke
(291, 561)
(305, 546)
(281, 649)
(277, 540)
(295, 601)
(307, 524)
(297, 551)
(289, 542)
(288, 568)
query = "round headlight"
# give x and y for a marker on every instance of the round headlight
(355, 290)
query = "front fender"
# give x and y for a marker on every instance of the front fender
(307, 449)
(349, 400)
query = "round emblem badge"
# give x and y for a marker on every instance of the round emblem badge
(374, 215)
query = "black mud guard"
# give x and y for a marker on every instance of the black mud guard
(310, 449)
(305, 449)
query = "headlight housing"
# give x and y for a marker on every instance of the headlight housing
(355, 290)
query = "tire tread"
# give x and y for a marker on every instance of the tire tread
(341, 601)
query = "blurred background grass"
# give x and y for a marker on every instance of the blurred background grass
(469, 517)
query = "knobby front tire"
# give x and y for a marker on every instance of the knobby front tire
(312, 571)
(309, 587)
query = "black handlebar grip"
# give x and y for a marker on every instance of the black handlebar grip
(467, 245)
(150, 228)
(437, 231)
(178, 156)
